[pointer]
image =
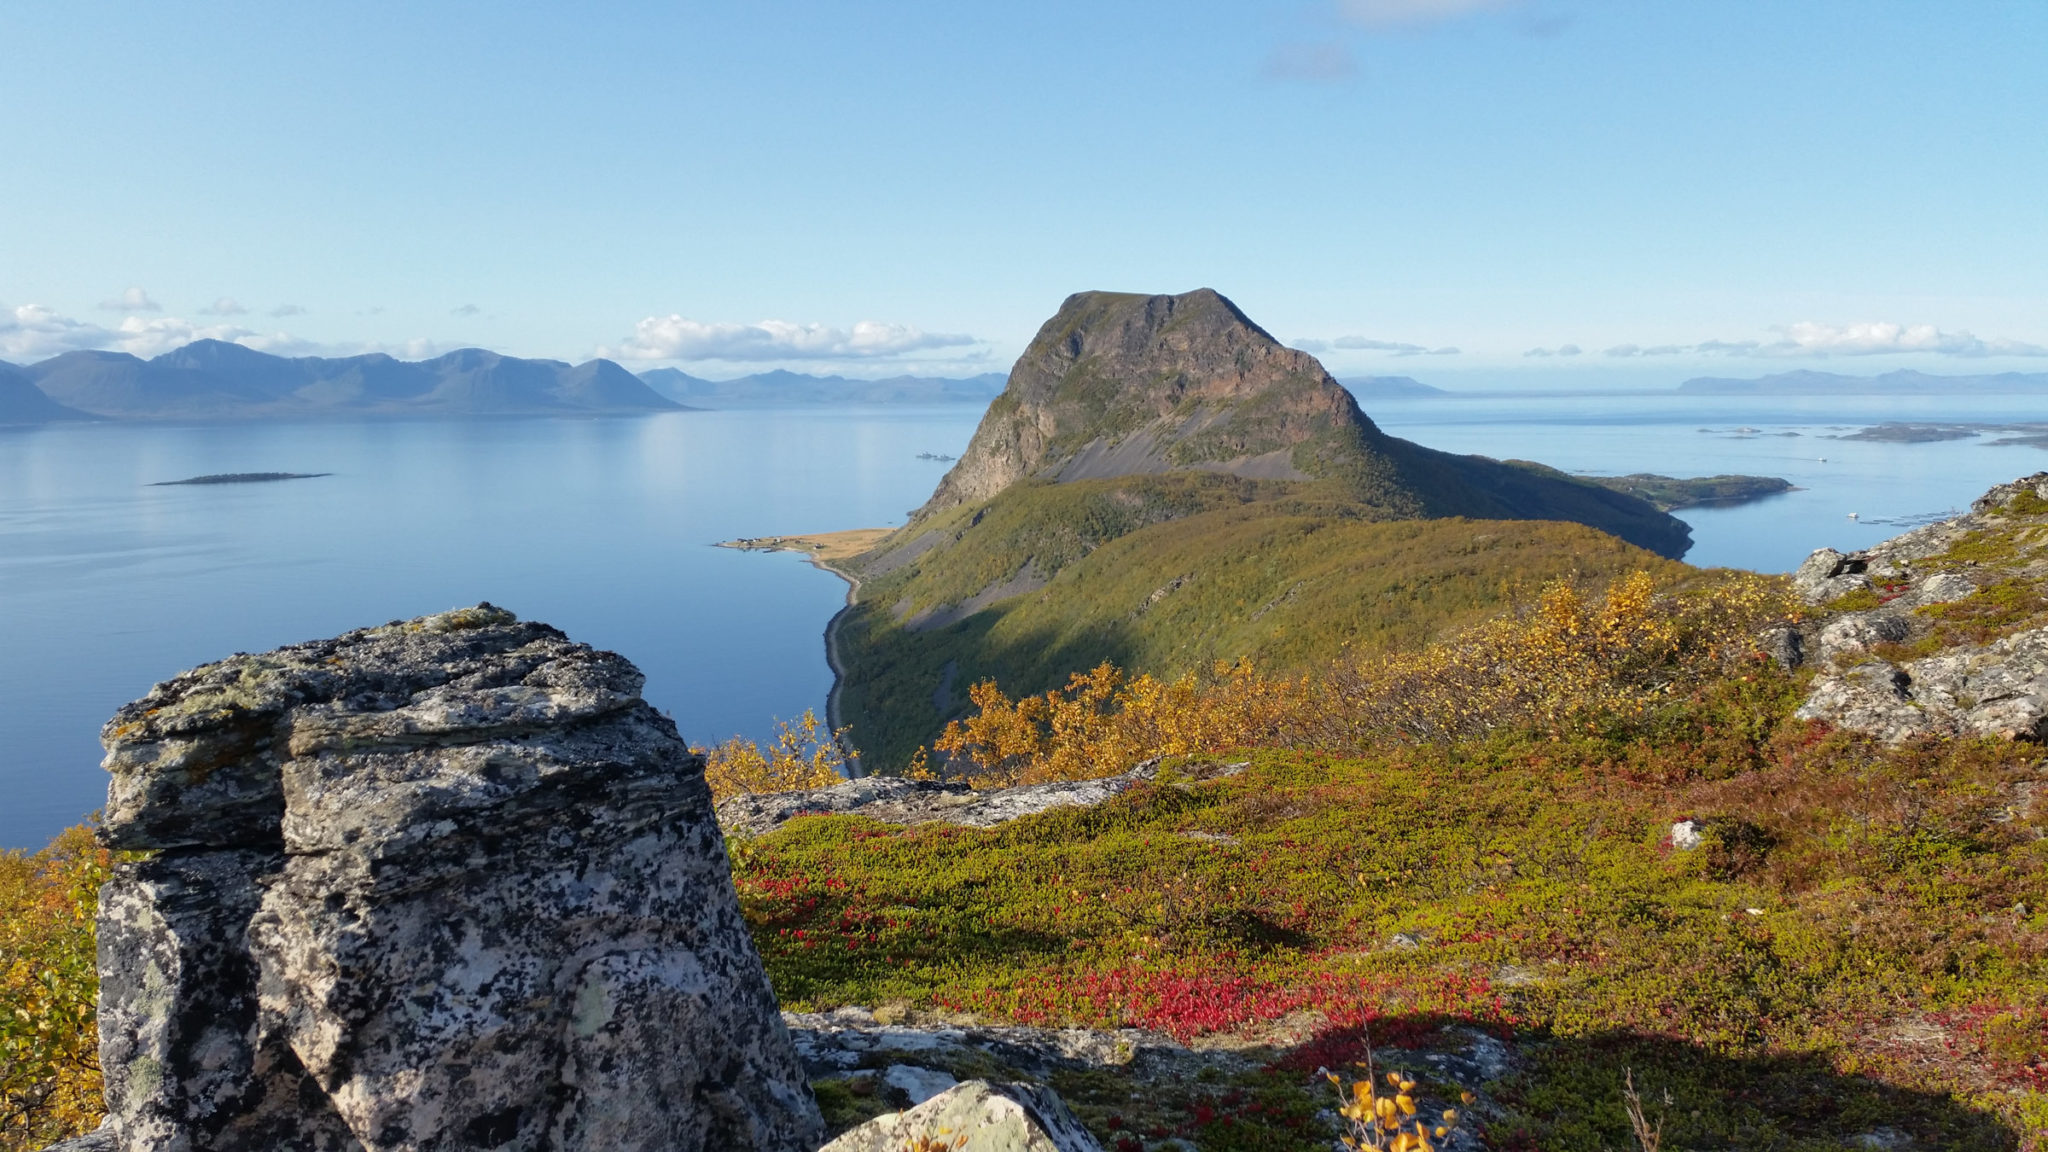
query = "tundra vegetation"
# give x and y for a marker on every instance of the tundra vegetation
(1468, 837)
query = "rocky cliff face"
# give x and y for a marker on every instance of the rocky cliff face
(1121, 384)
(445, 884)
(1941, 631)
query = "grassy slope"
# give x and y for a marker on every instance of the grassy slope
(1165, 573)
(1842, 954)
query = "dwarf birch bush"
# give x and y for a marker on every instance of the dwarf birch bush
(804, 754)
(1569, 662)
(49, 982)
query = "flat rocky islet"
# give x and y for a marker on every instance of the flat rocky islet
(240, 478)
(2032, 435)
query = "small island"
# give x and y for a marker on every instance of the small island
(939, 456)
(1670, 493)
(240, 478)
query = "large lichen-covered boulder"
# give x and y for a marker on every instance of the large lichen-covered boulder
(975, 1117)
(445, 884)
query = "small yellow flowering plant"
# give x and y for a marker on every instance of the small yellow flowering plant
(1391, 1121)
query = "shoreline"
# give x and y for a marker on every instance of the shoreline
(820, 550)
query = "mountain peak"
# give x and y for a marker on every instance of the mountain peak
(1122, 383)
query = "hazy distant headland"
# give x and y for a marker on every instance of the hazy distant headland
(1905, 382)
(780, 389)
(216, 380)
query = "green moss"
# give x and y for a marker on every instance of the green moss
(1995, 610)
(1861, 600)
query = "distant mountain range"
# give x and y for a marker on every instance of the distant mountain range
(1389, 388)
(215, 380)
(780, 389)
(21, 402)
(1808, 383)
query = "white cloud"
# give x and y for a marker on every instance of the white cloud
(1314, 63)
(132, 300)
(224, 306)
(1365, 344)
(1877, 339)
(464, 310)
(1822, 340)
(283, 310)
(1414, 13)
(676, 337)
(146, 338)
(33, 332)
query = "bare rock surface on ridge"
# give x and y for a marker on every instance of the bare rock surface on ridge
(895, 800)
(977, 1116)
(445, 884)
(1884, 668)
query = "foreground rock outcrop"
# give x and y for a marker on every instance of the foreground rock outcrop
(446, 884)
(1940, 631)
(977, 1116)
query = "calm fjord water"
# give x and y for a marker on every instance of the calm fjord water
(603, 527)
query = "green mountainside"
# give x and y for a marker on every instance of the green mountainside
(1162, 485)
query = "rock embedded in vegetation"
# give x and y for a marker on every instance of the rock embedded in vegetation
(448, 883)
(894, 800)
(1890, 672)
(977, 1116)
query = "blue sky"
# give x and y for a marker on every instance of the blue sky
(1731, 186)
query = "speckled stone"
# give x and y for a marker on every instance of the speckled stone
(445, 884)
(976, 1117)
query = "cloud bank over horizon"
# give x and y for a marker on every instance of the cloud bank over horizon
(676, 337)
(32, 332)
(1810, 339)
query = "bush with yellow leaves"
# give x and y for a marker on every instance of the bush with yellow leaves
(49, 982)
(1105, 721)
(804, 754)
(1391, 1121)
(1566, 662)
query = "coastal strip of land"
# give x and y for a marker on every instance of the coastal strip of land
(241, 478)
(827, 551)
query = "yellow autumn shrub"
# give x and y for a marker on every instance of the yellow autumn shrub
(1104, 721)
(803, 754)
(1566, 660)
(49, 982)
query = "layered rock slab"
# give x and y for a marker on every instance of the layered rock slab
(446, 884)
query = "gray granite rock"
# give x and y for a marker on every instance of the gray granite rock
(893, 800)
(1992, 689)
(1999, 689)
(445, 884)
(977, 1116)
(1847, 637)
